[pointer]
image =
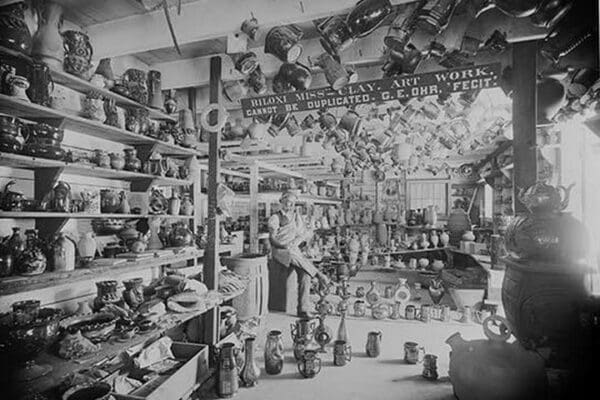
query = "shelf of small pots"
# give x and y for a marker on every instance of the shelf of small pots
(25, 333)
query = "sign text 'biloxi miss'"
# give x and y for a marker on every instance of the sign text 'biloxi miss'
(402, 87)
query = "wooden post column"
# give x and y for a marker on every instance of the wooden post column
(253, 208)
(211, 256)
(524, 118)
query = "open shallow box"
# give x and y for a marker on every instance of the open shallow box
(181, 382)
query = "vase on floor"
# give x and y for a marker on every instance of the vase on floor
(250, 373)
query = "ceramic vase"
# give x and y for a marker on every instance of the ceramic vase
(250, 372)
(402, 293)
(174, 204)
(373, 295)
(227, 373)
(132, 162)
(282, 42)
(187, 207)
(87, 247)
(47, 42)
(155, 99)
(274, 353)
(63, 254)
(335, 34)
(373, 346)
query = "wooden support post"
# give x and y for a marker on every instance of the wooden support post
(211, 273)
(44, 181)
(191, 92)
(253, 208)
(524, 118)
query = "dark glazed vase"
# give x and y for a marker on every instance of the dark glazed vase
(40, 84)
(15, 34)
(78, 53)
(367, 15)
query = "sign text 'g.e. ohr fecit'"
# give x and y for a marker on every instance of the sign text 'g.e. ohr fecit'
(399, 88)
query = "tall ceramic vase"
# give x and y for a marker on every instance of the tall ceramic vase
(87, 248)
(47, 41)
(155, 99)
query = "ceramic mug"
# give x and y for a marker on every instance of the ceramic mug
(342, 353)
(413, 353)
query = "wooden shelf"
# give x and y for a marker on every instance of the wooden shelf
(17, 284)
(408, 252)
(81, 85)
(49, 214)
(273, 196)
(33, 163)
(23, 109)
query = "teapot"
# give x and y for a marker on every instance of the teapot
(493, 369)
(544, 198)
(11, 200)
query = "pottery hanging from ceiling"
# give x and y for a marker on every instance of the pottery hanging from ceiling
(250, 27)
(281, 85)
(514, 8)
(552, 11)
(282, 42)
(258, 81)
(367, 15)
(335, 73)
(235, 91)
(47, 42)
(551, 95)
(335, 34)
(245, 62)
(15, 33)
(434, 17)
(296, 75)
(403, 27)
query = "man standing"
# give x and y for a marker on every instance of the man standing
(287, 232)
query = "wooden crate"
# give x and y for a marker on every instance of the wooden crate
(182, 382)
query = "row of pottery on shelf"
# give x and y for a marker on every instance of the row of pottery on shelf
(32, 256)
(37, 140)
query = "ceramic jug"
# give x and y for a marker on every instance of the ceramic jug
(78, 53)
(227, 374)
(47, 41)
(63, 253)
(250, 372)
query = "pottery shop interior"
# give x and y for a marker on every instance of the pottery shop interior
(299, 199)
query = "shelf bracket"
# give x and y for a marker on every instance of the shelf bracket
(144, 151)
(143, 185)
(44, 181)
(47, 227)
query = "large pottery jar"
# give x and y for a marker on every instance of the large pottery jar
(87, 247)
(47, 41)
(15, 33)
(63, 253)
(493, 369)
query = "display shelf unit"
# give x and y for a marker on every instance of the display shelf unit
(82, 215)
(108, 350)
(23, 109)
(273, 197)
(82, 86)
(18, 284)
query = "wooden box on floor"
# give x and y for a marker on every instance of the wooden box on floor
(182, 382)
(283, 288)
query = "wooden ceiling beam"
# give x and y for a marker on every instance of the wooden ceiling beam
(205, 20)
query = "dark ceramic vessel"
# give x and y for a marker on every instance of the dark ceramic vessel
(15, 34)
(367, 15)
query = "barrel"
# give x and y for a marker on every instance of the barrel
(540, 302)
(254, 301)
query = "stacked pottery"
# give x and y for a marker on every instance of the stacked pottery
(43, 140)
(78, 53)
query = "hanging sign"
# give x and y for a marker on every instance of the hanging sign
(398, 88)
